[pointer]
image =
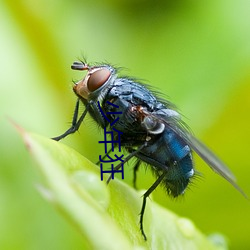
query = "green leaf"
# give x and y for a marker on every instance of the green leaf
(106, 216)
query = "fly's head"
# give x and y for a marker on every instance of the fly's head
(96, 79)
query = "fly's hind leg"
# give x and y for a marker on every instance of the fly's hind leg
(145, 196)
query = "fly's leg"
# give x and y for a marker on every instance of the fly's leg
(102, 158)
(127, 159)
(136, 167)
(145, 196)
(75, 123)
(148, 192)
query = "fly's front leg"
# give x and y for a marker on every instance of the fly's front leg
(75, 123)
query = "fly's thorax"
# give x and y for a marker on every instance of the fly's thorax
(95, 84)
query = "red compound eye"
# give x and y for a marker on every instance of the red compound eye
(97, 79)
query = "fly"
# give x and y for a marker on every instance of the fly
(152, 130)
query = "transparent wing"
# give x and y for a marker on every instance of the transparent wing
(175, 124)
(208, 156)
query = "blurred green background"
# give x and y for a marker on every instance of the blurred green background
(196, 52)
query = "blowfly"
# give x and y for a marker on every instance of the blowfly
(152, 129)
